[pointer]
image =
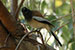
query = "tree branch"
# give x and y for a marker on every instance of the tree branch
(60, 17)
(14, 5)
(18, 9)
(72, 2)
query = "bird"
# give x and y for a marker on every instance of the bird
(36, 20)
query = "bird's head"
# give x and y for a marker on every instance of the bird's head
(25, 10)
(27, 13)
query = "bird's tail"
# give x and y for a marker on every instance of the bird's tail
(51, 25)
(56, 37)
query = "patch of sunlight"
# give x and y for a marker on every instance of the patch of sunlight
(59, 36)
(46, 35)
(47, 11)
(39, 40)
(47, 1)
(58, 3)
(51, 40)
(67, 2)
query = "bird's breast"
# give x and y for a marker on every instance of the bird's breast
(35, 24)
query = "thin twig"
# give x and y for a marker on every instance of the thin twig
(38, 46)
(73, 16)
(7, 38)
(54, 7)
(40, 5)
(48, 39)
(41, 37)
(24, 38)
(21, 40)
(18, 9)
(62, 26)
(60, 17)
(5, 42)
(71, 1)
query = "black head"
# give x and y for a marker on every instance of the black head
(25, 10)
(27, 13)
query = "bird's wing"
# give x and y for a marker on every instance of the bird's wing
(42, 20)
(37, 13)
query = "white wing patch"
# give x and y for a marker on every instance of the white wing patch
(39, 18)
(42, 20)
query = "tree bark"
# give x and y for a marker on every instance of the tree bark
(5, 45)
(9, 21)
(14, 6)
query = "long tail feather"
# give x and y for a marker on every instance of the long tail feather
(56, 38)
